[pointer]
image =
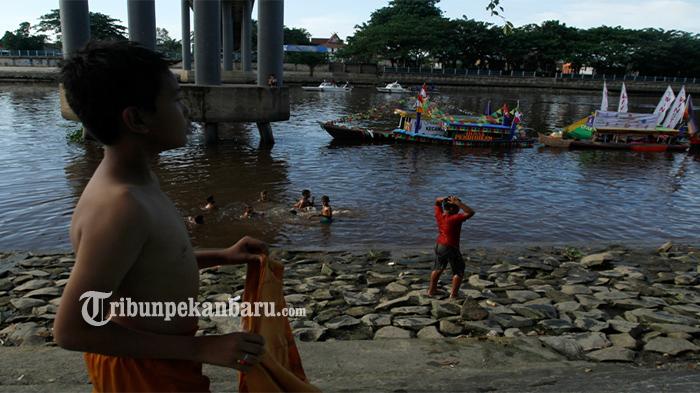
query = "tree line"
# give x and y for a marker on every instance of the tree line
(414, 33)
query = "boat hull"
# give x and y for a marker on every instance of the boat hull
(343, 133)
(553, 141)
(638, 147)
(328, 90)
(410, 137)
(392, 91)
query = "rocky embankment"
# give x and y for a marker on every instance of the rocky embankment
(607, 304)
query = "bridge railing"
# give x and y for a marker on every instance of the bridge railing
(31, 53)
(464, 72)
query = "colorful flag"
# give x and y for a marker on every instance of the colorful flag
(604, 102)
(622, 105)
(693, 125)
(422, 100)
(675, 114)
(664, 104)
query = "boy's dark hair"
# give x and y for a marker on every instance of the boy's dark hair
(325, 198)
(304, 192)
(210, 199)
(105, 77)
(199, 219)
(448, 206)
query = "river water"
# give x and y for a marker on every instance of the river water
(383, 194)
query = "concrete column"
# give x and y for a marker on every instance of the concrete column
(75, 25)
(227, 31)
(142, 22)
(246, 37)
(207, 51)
(270, 52)
(186, 45)
(270, 40)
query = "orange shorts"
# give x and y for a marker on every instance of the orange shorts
(123, 374)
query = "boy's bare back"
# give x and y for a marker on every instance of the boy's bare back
(153, 245)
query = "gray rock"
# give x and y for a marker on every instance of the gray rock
(327, 315)
(429, 332)
(566, 346)
(575, 289)
(522, 296)
(26, 303)
(512, 321)
(624, 326)
(589, 301)
(513, 332)
(591, 341)
(327, 270)
(555, 326)
(396, 288)
(360, 299)
(612, 354)
(475, 282)
(377, 320)
(674, 328)
(309, 334)
(536, 311)
(471, 311)
(44, 292)
(358, 311)
(226, 324)
(379, 279)
(481, 328)
(29, 333)
(597, 259)
(664, 248)
(33, 284)
(322, 294)
(342, 321)
(6, 284)
(411, 310)
(442, 309)
(686, 279)
(650, 316)
(613, 295)
(671, 346)
(623, 340)
(407, 300)
(570, 306)
(589, 324)
(450, 328)
(413, 323)
(630, 272)
(388, 332)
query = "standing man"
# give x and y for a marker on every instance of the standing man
(449, 221)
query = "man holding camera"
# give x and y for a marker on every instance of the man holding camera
(449, 221)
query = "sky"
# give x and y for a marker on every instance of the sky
(325, 17)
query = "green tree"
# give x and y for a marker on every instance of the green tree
(310, 59)
(102, 27)
(22, 39)
(165, 43)
(296, 36)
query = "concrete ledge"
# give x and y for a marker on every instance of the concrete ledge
(224, 104)
(237, 103)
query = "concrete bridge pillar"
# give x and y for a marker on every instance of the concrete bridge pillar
(75, 25)
(227, 31)
(207, 48)
(142, 22)
(270, 52)
(186, 44)
(246, 37)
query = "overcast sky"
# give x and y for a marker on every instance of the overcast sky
(324, 17)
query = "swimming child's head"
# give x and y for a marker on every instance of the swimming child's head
(120, 89)
(325, 200)
(210, 199)
(306, 193)
(263, 196)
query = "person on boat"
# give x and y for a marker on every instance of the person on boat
(306, 200)
(326, 210)
(263, 197)
(211, 204)
(449, 221)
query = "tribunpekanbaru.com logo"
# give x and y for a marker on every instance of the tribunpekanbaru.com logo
(93, 309)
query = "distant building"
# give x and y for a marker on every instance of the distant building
(332, 44)
(566, 68)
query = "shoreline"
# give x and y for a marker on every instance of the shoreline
(622, 303)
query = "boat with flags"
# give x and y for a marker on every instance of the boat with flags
(660, 131)
(428, 124)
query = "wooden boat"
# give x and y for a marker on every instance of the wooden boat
(471, 131)
(555, 141)
(359, 134)
(394, 87)
(328, 87)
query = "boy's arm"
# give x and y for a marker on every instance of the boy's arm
(246, 250)
(468, 211)
(108, 245)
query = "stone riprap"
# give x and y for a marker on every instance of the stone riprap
(606, 304)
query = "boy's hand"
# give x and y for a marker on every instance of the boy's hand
(246, 250)
(235, 350)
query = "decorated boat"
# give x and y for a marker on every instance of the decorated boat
(329, 86)
(661, 131)
(393, 87)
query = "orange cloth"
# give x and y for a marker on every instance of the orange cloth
(280, 368)
(123, 374)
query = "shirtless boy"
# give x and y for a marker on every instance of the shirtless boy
(128, 237)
